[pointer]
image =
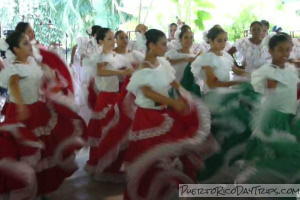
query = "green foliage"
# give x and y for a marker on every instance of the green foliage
(240, 24)
(109, 13)
(201, 17)
(69, 18)
(194, 11)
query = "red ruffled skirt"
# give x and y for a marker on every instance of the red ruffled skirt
(19, 153)
(108, 136)
(60, 130)
(166, 148)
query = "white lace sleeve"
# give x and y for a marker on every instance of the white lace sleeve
(199, 63)
(138, 79)
(9, 71)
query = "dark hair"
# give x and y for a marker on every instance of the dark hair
(214, 32)
(14, 39)
(101, 33)
(265, 23)
(172, 24)
(279, 38)
(22, 26)
(255, 23)
(118, 33)
(95, 29)
(182, 32)
(185, 28)
(153, 36)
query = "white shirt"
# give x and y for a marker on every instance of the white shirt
(253, 55)
(106, 83)
(221, 65)
(159, 79)
(30, 82)
(284, 97)
(128, 60)
(179, 67)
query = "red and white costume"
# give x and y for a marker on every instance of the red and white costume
(52, 117)
(166, 148)
(19, 153)
(108, 127)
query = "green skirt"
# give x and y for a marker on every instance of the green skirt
(274, 150)
(231, 116)
(187, 82)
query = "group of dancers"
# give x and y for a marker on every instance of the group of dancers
(155, 113)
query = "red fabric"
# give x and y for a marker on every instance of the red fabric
(14, 149)
(51, 177)
(184, 127)
(55, 62)
(123, 90)
(92, 95)
(103, 100)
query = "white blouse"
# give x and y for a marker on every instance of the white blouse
(179, 67)
(159, 79)
(284, 97)
(221, 65)
(30, 82)
(253, 55)
(105, 83)
(129, 59)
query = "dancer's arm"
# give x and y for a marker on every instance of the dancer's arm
(212, 81)
(102, 71)
(179, 105)
(14, 85)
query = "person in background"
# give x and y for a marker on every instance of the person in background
(251, 52)
(265, 29)
(172, 30)
(272, 152)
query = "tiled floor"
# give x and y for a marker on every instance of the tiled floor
(81, 187)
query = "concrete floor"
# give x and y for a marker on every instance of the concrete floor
(81, 187)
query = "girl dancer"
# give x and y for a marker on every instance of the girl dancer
(36, 100)
(108, 125)
(181, 60)
(272, 155)
(169, 137)
(230, 115)
(125, 59)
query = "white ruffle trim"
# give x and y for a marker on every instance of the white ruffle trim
(46, 130)
(153, 132)
(57, 159)
(136, 169)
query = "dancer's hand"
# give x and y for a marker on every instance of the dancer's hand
(180, 105)
(190, 59)
(127, 72)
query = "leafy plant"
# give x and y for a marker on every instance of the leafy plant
(241, 24)
(195, 11)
